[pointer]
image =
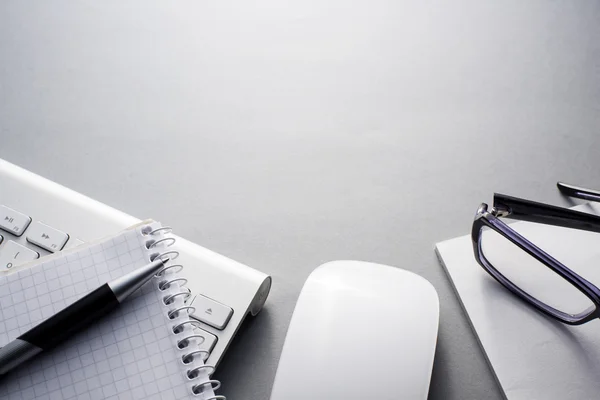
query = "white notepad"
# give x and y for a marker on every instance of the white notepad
(132, 353)
(533, 356)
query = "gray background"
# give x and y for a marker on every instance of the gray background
(288, 134)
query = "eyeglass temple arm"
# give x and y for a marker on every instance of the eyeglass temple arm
(578, 192)
(527, 210)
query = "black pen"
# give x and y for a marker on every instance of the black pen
(75, 317)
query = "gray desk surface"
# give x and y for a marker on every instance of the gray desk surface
(288, 135)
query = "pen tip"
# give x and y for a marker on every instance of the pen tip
(125, 285)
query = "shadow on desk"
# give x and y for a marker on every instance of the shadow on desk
(250, 362)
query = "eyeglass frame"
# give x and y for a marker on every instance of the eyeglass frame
(527, 210)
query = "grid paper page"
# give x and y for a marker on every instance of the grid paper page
(131, 353)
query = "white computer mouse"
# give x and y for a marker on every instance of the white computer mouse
(359, 331)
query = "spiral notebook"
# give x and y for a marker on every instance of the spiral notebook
(147, 348)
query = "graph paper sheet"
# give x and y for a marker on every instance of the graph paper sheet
(533, 356)
(129, 354)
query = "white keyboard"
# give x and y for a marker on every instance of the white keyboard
(24, 240)
(39, 217)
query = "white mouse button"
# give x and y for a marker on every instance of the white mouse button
(359, 330)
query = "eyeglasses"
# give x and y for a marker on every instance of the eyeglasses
(525, 269)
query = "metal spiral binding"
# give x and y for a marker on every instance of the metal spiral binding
(170, 255)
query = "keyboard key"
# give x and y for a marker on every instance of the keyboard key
(211, 312)
(46, 237)
(13, 221)
(1, 239)
(209, 339)
(13, 254)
